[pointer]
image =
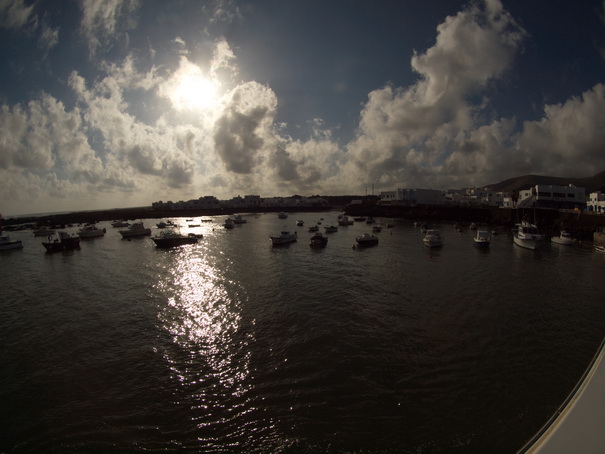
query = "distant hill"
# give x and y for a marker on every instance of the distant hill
(591, 184)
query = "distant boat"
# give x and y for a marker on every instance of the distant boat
(238, 219)
(482, 238)
(563, 238)
(120, 224)
(7, 244)
(314, 228)
(377, 228)
(318, 240)
(331, 229)
(63, 242)
(284, 237)
(282, 215)
(345, 220)
(367, 240)
(527, 236)
(300, 223)
(170, 238)
(43, 231)
(433, 238)
(137, 229)
(163, 225)
(91, 231)
(359, 219)
(229, 224)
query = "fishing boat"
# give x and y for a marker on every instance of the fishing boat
(527, 236)
(284, 237)
(63, 242)
(137, 229)
(170, 238)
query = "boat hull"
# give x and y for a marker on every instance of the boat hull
(64, 245)
(11, 245)
(527, 243)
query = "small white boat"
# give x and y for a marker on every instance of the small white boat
(482, 238)
(527, 236)
(135, 230)
(367, 240)
(433, 238)
(319, 240)
(91, 231)
(6, 244)
(563, 238)
(170, 238)
(284, 237)
(345, 220)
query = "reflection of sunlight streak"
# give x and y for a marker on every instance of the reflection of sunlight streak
(202, 315)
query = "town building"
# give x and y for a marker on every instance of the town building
(596, 202)
(552, 196)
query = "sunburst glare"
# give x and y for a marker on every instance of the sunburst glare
(189, 89)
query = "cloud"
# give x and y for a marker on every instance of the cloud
(244, 128)
(101, 20)
(15, 14)
(405, 132)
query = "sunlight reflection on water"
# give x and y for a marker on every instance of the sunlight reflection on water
(202, 315)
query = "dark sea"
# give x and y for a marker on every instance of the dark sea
(232, 345)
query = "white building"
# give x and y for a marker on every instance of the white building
(413, 197)
(596, 202)
(552, 196)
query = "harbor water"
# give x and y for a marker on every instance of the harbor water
(232, 345)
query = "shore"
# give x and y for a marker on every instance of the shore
(579, 224)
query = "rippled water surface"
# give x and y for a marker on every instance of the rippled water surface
(233, 345)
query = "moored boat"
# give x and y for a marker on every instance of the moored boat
(564, 237)
(44, 231)
(282, 215)
(482, 238)
(319, 240)
(135, 230)
(314, 228)
(229, 224)
(284, 237)
(367, 239)
(170, 238)
(120, 224)
(63, 242)
(345, 220)
(527, 236)
(433, 238)
(91, 231)
(238, 219)
(331, 229)
(377, 228)
(7, 244)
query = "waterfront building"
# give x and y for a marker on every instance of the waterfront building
(596, 202)
(552, 196)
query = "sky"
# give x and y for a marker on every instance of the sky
(111, 104)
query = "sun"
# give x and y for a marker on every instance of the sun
(190, 89)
